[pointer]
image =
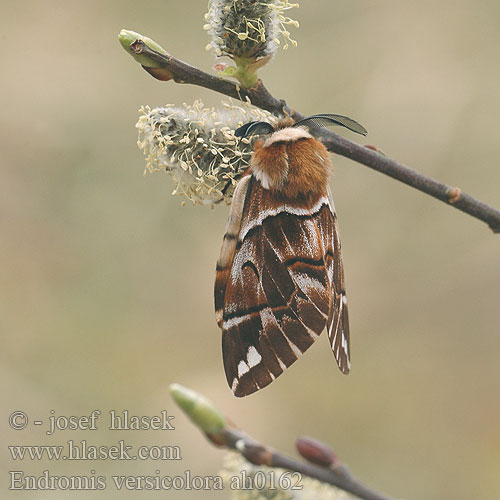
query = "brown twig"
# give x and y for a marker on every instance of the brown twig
(259, 96)
(259, 454)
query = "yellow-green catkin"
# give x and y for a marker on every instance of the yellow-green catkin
(197, 147)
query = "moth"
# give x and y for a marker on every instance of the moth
(279, 278)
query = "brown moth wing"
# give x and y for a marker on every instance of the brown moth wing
(273, 288)
(338, 320)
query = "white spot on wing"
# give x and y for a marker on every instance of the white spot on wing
(242, 369)
(253, 357)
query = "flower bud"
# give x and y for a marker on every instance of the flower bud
(126, 39)
(316, 452)
(199, 409)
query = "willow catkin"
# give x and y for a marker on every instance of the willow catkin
(197, 147)
(248, 29)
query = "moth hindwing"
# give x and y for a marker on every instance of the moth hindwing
(279, 279)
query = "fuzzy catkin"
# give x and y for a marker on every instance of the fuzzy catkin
(197, 147)
(248, 29)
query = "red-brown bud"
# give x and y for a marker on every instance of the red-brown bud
(316, 452)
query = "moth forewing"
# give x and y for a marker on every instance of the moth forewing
(277, 293)
(279, 278)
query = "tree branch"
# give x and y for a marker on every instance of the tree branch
(221, 432)
(181, 72)
(259, 454)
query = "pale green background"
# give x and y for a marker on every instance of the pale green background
(106, 282)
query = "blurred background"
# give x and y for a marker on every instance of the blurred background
(106, 282)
